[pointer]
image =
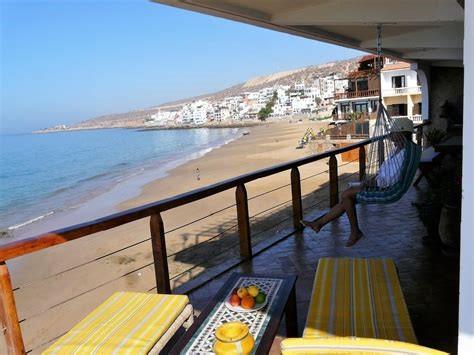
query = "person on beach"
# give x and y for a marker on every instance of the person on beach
(388, 173)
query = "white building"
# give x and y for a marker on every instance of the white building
(161, 118)
(196, 112)
(327, 85)
(401, 91)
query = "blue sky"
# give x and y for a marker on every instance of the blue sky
(65, 61)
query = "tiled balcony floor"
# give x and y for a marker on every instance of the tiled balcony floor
(429, 279)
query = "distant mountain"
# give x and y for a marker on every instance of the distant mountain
(135, 118)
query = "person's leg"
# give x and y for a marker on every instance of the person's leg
(351, 211)
(335, 212)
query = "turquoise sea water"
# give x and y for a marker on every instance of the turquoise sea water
(43, 175)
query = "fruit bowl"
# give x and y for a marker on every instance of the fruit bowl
(240, 309)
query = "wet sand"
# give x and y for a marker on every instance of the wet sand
(58, 286)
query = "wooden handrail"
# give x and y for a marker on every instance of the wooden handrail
(28, 245)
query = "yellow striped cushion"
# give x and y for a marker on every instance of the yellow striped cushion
(352, 346)
(358, 297)
(127, 322)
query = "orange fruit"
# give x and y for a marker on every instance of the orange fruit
(247, 302)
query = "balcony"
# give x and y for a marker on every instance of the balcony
(428, 278)
(356, 94)
(402, 91)
(243, 236)
(415, 118)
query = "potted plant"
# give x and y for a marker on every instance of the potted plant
(434, 136)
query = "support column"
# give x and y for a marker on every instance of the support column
(466, 282)
(424, 78)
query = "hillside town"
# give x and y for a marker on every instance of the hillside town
(280, 100)
(342, 96)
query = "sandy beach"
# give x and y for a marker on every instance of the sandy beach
(55, 288)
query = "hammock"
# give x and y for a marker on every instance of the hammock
(393, 158)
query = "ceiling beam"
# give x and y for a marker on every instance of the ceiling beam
(438, 54)
(446, 36)
(357, 12)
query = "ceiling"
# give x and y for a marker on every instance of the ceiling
(424, 31)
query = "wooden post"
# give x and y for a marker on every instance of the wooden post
(160, 257)
(296, 198)
(8, 313)
(361, 163)
(419, 136)
(243, 221)
(333, 182)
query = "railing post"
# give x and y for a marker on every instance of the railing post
(160, 257)
(419, 135)
(243, 221)
(361, 163)
(333, 182)
(381, 151)
(8, 313)
(296, 198)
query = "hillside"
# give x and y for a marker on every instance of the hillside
(135, 118)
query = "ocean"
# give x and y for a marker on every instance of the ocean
(53, 177)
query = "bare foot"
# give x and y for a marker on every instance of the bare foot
(314, 225)
(354, 238)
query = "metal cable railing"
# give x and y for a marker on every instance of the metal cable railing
(188, 249)
(154, 210)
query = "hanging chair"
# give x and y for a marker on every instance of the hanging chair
(393, 158)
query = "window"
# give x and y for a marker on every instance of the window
(361, 107)
(417, 108)
(398, 81)
(397, 110)
(362, 85)
(373, 105)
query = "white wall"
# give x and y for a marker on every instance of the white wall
(386, 77)
(466, 286)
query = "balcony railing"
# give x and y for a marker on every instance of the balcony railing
(8, 311)
(355, 94)
(402, 91)
(414, 118)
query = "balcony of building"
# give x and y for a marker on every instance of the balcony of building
(356, 94)
(414, 90)
(257, 231)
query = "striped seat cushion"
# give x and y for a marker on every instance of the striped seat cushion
(352, 346)
(359, 298)
(127, 322)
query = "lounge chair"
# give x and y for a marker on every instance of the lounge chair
(132, 322)
(357, 305)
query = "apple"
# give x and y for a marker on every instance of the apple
(253, 290)
(242, 292)
(234, 300)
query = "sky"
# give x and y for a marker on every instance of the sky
(63, 61)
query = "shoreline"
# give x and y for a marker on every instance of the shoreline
(236, 124)
(122, 188)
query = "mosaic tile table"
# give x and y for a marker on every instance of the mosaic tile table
(263, 324)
